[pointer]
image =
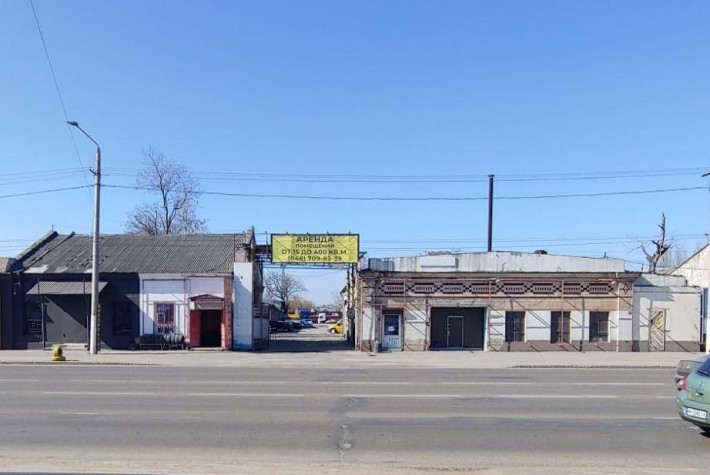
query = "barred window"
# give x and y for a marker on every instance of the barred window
(514, 326)
(33, 318)
(598, 326)
(164, 318)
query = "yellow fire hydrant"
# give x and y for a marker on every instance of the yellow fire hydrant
(57, 353)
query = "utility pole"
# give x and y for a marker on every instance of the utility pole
(490, 212)
(93, 325)
(707, 314)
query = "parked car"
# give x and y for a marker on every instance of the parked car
(693, 399)
(336, 327)
(684, 368)
(307, 323)
(282, 326)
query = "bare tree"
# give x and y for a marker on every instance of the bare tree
(337, 299)
(301, 302)
(283, 286)
(671, 260)
(175, 211)
(661, 247)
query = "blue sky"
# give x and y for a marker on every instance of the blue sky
(344, 98)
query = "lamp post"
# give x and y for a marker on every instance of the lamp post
(707, 313)
(93, 330)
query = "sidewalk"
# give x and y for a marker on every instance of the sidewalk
(353, 359)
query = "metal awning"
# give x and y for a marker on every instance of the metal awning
(53, 287)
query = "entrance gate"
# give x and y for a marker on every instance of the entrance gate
(392, 332)
(657, 331)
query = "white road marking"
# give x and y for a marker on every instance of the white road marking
(486, 383)
(19, 380)
(85, 413)
(176, 383)
(93, 393)
(449, 396)
(663, 397)
(617, 384)
(254, 395)
(553, 396)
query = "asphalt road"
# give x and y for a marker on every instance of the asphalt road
(328, 420)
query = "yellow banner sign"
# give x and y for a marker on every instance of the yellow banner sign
(315, 248)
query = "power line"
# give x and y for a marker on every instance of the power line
(42, 192)
(530, 240)
(429, 198)
(56, 85)
(459, 178)
(38, 177)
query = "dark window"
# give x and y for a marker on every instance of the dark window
(559, 327)
(598, 326)
(514, 326)
(33, 318)
(164, 318)
(123, 318)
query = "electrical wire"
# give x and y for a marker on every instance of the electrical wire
(429, 198)
(40, 176)
(56, 85)
(314, 178)
(42, 192)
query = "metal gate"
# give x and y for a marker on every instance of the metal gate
(657, 331)
(454, 331)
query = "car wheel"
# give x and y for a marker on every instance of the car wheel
(332, 330)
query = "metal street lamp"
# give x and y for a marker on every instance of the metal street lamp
(93, 330)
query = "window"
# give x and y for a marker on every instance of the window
(123, 318)
(164, 318)
(598, 326)
(514, 326)
(33, 318)
(559, 327)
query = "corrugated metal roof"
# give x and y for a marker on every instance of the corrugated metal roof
(127, 253)
(52, 287)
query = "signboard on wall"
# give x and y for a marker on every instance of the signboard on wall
(315, 248)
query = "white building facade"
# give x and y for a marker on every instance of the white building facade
(503, 301)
